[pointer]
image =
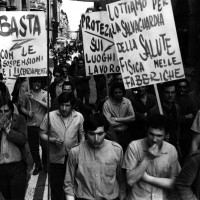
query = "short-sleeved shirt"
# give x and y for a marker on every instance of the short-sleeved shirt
(124, 109)
(94, 173)
(164, 166)
(196, 123)
(34, 106)
(65, 129)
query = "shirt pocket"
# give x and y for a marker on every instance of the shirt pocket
(110, 170)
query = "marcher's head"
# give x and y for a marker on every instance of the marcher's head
(6, 107)
(182, 86)
(117, 91)
(3, 89)
(36, 83)
(141, 90)
(66, 102)
(118, 77)
(95, 127)
(65, 69)
(67, 87)
(81, 63)
(157, 128)
(169, 92)
(58, 74)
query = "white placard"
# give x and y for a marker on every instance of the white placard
(23, 50)
(99, 50)
(146, 41)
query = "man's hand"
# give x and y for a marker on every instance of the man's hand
(30, 114)
(7, 125)
(57, 141)
(2, 120)
(30, 96)
(153, 152)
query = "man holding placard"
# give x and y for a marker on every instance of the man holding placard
(33, 105)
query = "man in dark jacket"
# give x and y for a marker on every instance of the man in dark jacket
(13, 132)
(188, 181)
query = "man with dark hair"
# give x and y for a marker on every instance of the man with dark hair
(33, 105)
(151, 163)
(172, 111)
(68, 87)
(55, 88)
(188, 111)
(119, 113)
(82, 82)
(13, 137)
(65, 131)
(94, 166)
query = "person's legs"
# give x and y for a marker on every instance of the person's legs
(33, 140)
(18, 181)
(57, 174)
(4, 181)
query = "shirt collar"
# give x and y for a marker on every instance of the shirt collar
(115, 103)
(74, 114)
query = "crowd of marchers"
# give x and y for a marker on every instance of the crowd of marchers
(118, 148)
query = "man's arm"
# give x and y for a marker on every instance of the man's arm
(167, 183)
(70, 197)
(81, 131)
(125, 120)
(54, 140)
(70, 176)
(136, 174)
(195, 142)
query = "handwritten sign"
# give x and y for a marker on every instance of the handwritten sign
(146, 41)
(23, 50)
(99, 50)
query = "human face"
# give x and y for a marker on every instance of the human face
(5, 110)
(141, 90)
(96, 138)
(118, 78)
(57, 77)
(182, 88)
(65, 109)
(65, 72)
(169, 94)
(36, 85)
(67, 88)
(117, 94)
(155, 136)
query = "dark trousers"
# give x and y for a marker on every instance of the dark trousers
(84, 93)
(34, 142)
(13, 180)
(124, 138)
(57, 175)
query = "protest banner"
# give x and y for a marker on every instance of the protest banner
(23, 50)
(146, 41)
(99, 50)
